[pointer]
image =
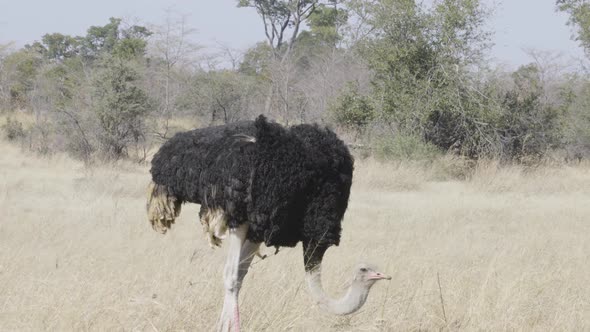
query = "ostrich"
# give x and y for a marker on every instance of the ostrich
(258, 182)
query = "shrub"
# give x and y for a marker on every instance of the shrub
(120, 106)
(405, 147)
(352, 110)
(13, 130)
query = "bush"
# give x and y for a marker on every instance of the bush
(405, 147)
(529, 126)
(352, 110)
(120, 106)
(13, 130)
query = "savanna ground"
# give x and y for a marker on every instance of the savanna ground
(509, 246)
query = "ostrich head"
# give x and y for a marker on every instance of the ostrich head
(365, 275)
(363, 278)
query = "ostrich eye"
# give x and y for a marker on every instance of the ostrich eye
(363, 269)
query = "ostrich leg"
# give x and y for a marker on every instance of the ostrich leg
(234, 268)
(249, 250)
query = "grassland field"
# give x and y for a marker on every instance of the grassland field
(507, 249)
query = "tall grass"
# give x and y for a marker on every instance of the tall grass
(505, 249)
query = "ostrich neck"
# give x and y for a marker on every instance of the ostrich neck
(355, 296)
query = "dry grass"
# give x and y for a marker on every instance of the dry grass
(510, 246)
(26, 118)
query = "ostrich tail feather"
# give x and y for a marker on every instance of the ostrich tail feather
(162, 207)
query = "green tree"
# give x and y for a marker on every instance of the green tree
(57, 46)
(423, 59)
(120, 105)
(112, 39)
(4, 90)
(576, 125)
(579, 12)
(324, 24)
(323, 36)
(257, 60)
(133, 42)
(529, 127)
(283, 20)
(281, 17)
(352, 110)
(20, 69)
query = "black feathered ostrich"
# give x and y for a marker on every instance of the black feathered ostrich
(260, 182)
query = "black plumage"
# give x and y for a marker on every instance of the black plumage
(289, 184)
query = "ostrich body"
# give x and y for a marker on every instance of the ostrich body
(258, 182)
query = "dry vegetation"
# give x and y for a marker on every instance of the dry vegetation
(510, 247)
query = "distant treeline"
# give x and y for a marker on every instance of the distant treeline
(401, 79)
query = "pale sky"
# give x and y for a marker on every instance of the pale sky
(519, 24)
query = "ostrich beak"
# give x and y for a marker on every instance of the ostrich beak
(378, 276)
